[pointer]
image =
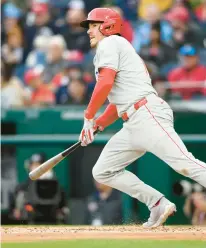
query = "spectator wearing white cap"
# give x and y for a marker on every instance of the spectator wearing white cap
(37, 57)
(55, 57)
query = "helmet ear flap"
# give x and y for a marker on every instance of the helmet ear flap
(107, 28)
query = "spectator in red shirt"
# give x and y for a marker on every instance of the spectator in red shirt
(41, 93)
(190, 78)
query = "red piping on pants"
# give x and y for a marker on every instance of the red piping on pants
(172, 138)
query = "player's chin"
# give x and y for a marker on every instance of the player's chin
(93, 44)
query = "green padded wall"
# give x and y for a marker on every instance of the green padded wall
(69, 121)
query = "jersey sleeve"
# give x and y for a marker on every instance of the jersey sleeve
(108, 54)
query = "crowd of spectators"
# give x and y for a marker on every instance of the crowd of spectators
(46, 57)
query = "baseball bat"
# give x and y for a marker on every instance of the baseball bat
(49, 164)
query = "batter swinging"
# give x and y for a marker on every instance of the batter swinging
(148, 120)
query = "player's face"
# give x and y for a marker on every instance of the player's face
(94, 34)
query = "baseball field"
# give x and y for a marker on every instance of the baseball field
(102, 237)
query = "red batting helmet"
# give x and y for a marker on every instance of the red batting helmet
(111, 21)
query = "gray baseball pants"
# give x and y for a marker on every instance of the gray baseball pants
(150, 128)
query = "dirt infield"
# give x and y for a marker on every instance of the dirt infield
(26, 233)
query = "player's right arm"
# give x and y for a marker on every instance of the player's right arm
(107, 65)
(107, 118)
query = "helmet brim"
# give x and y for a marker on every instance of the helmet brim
(85, 23)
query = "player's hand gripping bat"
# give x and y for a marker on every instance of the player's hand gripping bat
(49, 164)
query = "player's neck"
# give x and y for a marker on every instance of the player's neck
(101, 41)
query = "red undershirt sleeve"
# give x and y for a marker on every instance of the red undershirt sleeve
(101, 91)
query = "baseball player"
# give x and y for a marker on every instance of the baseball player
(122, 77)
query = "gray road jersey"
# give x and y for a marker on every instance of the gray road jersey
(132, 81)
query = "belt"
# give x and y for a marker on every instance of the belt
(125, 116)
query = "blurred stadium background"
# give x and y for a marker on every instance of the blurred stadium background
(47, 79)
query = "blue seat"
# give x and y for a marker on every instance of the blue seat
(202, 56)
(165, 69)
(19, 71)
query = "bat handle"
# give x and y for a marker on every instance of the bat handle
(76, 145)
(96, 131)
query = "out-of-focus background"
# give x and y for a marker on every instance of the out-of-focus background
(47, 78)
